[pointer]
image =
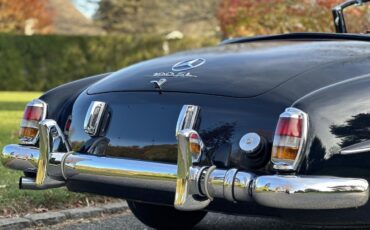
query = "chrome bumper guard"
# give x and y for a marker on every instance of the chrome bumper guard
(194, 186)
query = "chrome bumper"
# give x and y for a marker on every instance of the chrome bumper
(194, 186)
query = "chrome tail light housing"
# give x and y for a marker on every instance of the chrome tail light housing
(289, 140)
(34, 112)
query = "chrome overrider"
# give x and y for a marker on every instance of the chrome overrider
(195, 186)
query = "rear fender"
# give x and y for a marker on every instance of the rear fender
(339, 117)
(61, 98)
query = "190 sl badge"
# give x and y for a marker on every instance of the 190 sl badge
(174, 75)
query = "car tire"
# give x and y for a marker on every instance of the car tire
(165, 217)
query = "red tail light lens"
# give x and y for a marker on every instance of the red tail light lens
(289, 126)
(289, 140)
(34, 112)
(67, 126)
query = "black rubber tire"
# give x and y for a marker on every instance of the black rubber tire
(165, 217)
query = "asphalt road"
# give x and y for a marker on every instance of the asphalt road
(211, 222)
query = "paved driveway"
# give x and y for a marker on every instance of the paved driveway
(211, 222)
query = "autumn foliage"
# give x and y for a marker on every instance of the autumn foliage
(15, 13)
(251, 17)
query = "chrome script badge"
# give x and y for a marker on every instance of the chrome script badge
(179, 70)
(174, 75)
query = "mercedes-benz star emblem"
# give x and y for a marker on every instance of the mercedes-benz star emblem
(188, 64)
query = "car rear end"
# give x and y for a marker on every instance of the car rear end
(194, 153)
(191, 142)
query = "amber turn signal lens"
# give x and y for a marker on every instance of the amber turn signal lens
(28, 132)
(283, 152)
(194, 143)
(195, 146)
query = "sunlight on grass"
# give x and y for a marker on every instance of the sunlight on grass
(18, 96)
(11, 111)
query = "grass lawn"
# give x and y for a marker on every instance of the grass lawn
(15, 201)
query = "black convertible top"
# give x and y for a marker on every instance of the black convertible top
(300, 36)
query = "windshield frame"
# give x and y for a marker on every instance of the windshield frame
(301, 36)
(338, 15)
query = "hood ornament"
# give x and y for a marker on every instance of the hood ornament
(188, 64)
(158, 83)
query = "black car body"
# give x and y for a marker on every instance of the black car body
(196, 130)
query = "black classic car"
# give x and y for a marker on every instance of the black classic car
(270, 126)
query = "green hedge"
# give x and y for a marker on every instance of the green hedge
(38, 63)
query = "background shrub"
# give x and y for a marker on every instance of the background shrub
(38, 63)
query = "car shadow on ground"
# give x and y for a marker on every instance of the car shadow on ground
(218, 221)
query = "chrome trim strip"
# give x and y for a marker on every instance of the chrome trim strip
(214, 183)
(303, 192)
(287, 166)
(18, 157)
(25, 158)
(242, 186)
(187, 118)
(229, 184)
(123, 172)
(361, 147)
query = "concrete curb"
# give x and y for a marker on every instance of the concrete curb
(50, 218)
